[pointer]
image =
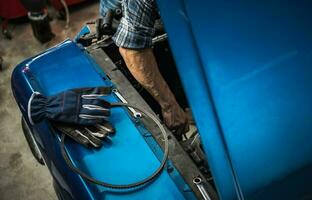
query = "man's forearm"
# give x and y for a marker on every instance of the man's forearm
(143, 66)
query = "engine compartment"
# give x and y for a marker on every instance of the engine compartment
(102, 39)
(191, 141)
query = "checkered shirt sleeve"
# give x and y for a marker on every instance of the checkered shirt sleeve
(136, 28)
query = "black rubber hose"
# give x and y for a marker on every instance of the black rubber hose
(123, 186)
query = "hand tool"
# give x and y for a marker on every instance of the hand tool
(199, 183)
(123, 100)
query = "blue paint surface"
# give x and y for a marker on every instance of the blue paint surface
(247, 70)
(127, 158)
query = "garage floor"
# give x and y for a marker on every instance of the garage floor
(21, 177)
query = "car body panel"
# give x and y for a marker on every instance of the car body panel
(246, 69)
(127, 158)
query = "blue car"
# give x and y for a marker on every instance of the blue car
(245, 70)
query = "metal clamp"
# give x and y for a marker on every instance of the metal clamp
(199, 183)
(123, 100)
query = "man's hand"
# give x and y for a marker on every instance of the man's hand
(176, 120)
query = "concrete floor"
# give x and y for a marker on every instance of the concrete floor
(21, 177)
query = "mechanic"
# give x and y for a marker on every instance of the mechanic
(134, 39)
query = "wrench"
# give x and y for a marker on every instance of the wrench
(199, 183)
(123, 100)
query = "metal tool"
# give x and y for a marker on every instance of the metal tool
(123, 100)
(160, 38)
(199, 183)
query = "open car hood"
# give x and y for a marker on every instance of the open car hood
(247, 71)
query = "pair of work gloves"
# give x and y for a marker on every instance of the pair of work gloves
(81, 114)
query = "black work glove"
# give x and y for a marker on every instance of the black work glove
(89, 136)
(77, 106)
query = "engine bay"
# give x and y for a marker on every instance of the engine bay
(102, 39)
(191, 141)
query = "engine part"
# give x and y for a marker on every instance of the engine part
(118, 14)
(104, 26)
(193, 147)
(108, 19)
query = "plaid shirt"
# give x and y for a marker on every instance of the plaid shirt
(136, 28)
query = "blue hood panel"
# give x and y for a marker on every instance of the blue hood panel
(247, 71)
(127, 159)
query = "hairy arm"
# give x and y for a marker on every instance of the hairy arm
(142, 65)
